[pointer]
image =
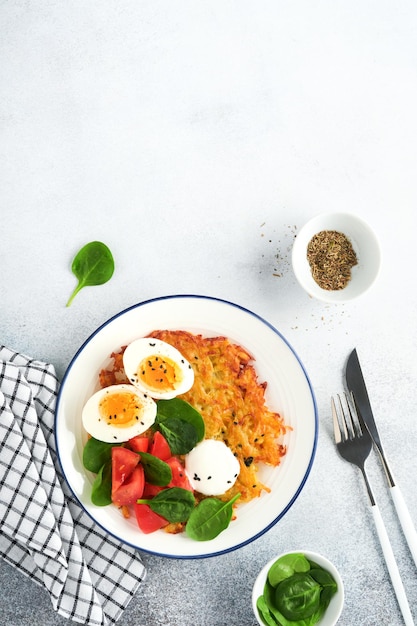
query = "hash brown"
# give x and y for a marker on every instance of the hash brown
(231, 401)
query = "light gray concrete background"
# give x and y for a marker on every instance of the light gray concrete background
(195, 138)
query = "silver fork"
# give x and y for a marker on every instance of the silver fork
(354, 444)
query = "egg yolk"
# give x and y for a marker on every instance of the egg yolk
(120, 409)
(159, 373)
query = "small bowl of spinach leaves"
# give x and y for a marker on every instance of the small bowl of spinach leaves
(299, 588)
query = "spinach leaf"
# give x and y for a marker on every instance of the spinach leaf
(323, 577)
(180, 435)
(209, 518)
(157, 472)
(286, 566)
(180, 423)
(95, 454)
(175, 504)
(101, 490)
(175, 407)
(268, 595)
(92, 265)
(298, 596)
(266, 615)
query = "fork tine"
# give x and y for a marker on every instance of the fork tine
(355, 422)
(345, 425)
(336, 425)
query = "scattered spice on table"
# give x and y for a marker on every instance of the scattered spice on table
(331, 257)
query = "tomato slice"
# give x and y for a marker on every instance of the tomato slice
(149, 491)
(139, 443)
(179, 477)
(148, 521)
(123, 462)
(160, 447)
(132, 488)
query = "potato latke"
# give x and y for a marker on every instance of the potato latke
(228, 395)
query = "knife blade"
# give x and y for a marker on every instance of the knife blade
(356, 386)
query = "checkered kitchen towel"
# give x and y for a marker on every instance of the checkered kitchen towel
(44, 533)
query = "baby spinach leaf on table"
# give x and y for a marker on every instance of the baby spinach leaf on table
(92, 265)
(101, 490)
(157, 472)
(209, 518)
(174, 504)
(95, 454)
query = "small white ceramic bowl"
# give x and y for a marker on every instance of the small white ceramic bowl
(335, 607)
(364, 243)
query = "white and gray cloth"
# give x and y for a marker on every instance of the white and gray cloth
(44, 532)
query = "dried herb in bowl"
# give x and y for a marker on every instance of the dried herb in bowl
(331, 257)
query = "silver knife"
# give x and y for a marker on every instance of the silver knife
(356, 386)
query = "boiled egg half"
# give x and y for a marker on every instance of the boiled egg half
(157, 368)
(211, 467)
(117, 413)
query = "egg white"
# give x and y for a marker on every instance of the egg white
(211, 467)
(102, 429)
(140, 350)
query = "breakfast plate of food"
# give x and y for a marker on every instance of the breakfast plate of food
(186, 426)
